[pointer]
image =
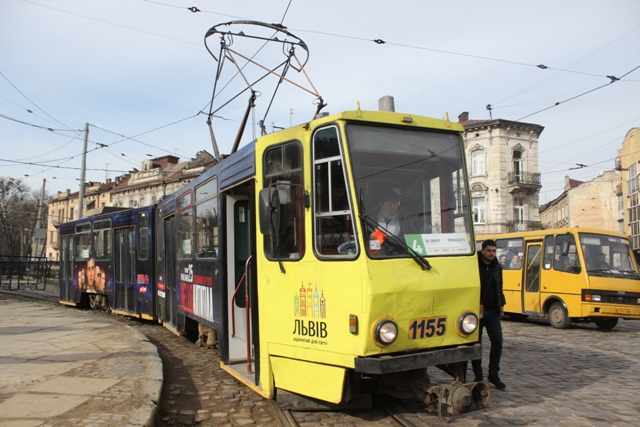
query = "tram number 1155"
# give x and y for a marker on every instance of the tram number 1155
(427, 327)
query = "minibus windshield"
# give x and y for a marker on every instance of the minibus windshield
(606, 255)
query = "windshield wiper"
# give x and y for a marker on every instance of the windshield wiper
(397, 242)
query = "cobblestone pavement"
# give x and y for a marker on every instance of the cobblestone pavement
(581, 377)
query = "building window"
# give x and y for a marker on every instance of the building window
(518, 211)
(479, 210)
(634, 204)
(477, 162)
(71, 214)
(518, 163)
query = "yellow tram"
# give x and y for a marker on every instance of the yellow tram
(327, 300)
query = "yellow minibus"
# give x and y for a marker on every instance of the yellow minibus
(569, 275)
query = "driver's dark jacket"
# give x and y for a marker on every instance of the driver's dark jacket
(491, 295)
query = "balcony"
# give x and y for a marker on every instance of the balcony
(527, 182)
(517, 226)
(618, 164)
(618, 191)
(55, 245)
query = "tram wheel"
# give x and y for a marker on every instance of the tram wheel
(558, 316)
(606, 323)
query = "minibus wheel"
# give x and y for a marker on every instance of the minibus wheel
(606, 323)
(558, 316)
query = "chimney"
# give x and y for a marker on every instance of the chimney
(386, 103)
(464, 117)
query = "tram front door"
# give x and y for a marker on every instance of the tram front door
(531, 288)
(240, 301)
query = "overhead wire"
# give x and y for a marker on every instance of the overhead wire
(34, 104)
(54, 167)
(380, 42)
(613, 80)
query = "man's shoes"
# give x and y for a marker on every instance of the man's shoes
(477, 378)
(495, 380)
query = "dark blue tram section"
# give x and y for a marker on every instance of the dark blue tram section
(185, 262)
(108, 262)
(205, 239)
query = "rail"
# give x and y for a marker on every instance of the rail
(22, 272)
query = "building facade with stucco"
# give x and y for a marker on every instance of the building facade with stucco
(504, 179)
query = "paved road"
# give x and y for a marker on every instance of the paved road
(581, 377)
(65, 367)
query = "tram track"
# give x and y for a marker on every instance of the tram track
(205, 390)
(31, 295)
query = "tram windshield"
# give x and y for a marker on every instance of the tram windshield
(410, 184)
(607, 255)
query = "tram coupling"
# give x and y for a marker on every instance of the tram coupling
(456, 398)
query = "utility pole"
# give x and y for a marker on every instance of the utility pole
(82, 170)
(40, 232)
(41, 205)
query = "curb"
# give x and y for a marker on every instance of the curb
(147, 414)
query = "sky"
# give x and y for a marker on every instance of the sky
(138, 72)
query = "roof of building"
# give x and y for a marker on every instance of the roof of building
(464, 120)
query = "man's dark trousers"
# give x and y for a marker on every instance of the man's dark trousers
(491, 321)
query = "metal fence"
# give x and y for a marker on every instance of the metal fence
(34, 273)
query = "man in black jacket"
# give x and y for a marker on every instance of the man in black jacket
(492, 301)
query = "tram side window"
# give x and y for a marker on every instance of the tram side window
(566, 255)
(207, 219)
(102, 239)
(83, 242)
(509, 253)
(283, 173)
(333, 220)
(185, 228)
(143, 239)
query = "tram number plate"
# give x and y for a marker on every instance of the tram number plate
(621, 311)
(427, 327)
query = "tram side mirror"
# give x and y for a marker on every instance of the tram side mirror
(269, 211)
(564, 250)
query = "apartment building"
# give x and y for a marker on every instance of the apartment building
(588, 204)
(504, 178)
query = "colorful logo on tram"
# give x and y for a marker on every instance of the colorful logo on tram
(311, 304)
(308, 303)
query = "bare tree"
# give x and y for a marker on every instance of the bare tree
(18, 216)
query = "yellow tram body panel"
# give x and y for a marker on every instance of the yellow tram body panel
(303, 343)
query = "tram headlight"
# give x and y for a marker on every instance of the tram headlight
(385, 332)
(468, 323)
